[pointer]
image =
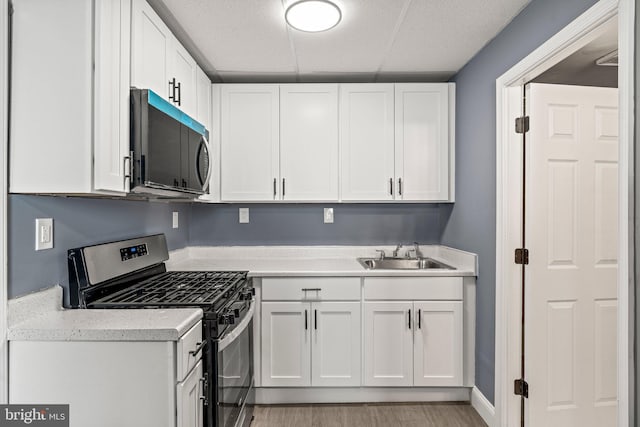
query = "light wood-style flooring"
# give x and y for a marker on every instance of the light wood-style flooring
(368, 415)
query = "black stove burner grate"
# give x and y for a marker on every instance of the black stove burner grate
(176, 289)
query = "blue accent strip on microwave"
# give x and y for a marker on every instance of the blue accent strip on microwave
(157, 102)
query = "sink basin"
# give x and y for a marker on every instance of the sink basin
(403, 264)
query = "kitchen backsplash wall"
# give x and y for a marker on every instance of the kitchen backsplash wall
(79, 222)
(471, 226)
(302, 224)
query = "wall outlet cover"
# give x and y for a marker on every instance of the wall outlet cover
(175, 220)
(243, 215)
(44, 233)
(328, 215)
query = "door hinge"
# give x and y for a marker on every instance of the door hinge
(522, 256)
(522, 124)
(521, 388)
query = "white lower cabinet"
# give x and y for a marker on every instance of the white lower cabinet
(188, 403)
(113, 383)
(413, 343)
(310, 344)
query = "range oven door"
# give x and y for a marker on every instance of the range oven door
(234, 385)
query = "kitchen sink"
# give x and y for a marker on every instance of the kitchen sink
(403, 264)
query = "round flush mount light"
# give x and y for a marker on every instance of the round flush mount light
(313, 15)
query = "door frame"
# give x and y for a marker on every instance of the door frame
(4, 110)
(509, 90)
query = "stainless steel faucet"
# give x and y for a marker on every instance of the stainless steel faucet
(382, 254)
(396, 250)
(416, 248)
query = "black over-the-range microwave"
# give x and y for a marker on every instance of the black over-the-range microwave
(171, 153)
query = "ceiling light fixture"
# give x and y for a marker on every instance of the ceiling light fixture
(313, 15)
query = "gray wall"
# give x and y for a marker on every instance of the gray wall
(79, 222)
(285, 224)
(472, 223)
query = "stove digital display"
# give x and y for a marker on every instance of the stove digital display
(133, 252)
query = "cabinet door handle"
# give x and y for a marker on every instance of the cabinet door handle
(274, 188)
(391, 186)
(315, 319)
(283, 188)
(419, 319)
(409, 318)
(399, 186)
(175, 182)
(199, 347)
(172, 89)
(184, 183)
(306, 325)
(179, 94)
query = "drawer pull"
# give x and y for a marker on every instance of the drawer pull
(312, 289)
(199, 347)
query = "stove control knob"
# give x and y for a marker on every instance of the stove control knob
(230, 319)
(236, 312)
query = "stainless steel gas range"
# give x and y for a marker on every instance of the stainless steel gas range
(132, 274)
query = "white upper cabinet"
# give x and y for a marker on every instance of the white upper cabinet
(159, 61)
(151, 40)
(185, 71)
(349, 142)
(249, 143)
(203, 97)
(422, 148)
(75, 138)
(366, 141)
(309, 142)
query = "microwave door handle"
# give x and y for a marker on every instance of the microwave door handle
(204, 144)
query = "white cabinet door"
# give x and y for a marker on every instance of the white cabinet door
(249, 143)
(112, 47)
(366, 141)
(335, 357)
(388, 344)
(286, 344)
(309, 142)
(422, 141)
(203, 98)
(151, 44)
(183, 68)
(437, 357)
(189, 404)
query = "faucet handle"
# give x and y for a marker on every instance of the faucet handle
(382, 254)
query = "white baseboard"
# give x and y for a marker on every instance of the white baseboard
(483, 407)
(273, 395)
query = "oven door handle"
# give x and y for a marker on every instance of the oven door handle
(238, 330)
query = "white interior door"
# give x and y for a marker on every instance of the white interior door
(571, 228)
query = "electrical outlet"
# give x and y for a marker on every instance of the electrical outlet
(44, 233)
(175, 219)
(328, 215)
(243, 215)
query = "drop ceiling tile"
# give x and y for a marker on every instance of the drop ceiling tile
(359, 42)
(239, 36)
(445, 35)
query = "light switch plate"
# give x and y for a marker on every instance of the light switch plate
(175, 219)
(243, 215)
(328, 215)
(44, 233)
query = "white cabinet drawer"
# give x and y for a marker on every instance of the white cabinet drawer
(189, 351)
(311, 288)
(413, 288)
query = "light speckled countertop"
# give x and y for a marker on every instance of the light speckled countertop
(281, 261)
(40, 317)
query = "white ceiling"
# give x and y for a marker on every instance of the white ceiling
(377, 40)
